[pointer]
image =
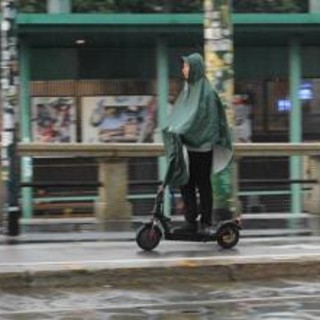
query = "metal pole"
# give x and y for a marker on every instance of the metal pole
(295, 121)
(163, 94)
(9, 92)
(25, 127)
(218, 50)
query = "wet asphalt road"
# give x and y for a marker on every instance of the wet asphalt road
(157, 300)
(273, 300)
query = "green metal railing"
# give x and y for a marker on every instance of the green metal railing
(118, 151)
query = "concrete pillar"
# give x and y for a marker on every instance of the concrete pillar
(218, 53)
(314, 6)
(112, 209)
(59, 6)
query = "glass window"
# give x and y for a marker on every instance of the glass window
(278, 105)
(253, 91)
(271, 106)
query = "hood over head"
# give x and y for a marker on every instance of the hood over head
(197, 70)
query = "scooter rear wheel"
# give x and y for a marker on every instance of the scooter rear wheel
(228, 236)
(148, 237)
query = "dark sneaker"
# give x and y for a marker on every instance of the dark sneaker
(187, 227)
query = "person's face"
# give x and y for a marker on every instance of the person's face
(185, 70)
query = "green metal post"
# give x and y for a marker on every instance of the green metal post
(25, 128)
(295, 121)
(218, 49)
(163, 94)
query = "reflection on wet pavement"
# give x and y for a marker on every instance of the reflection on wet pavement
(274, 300)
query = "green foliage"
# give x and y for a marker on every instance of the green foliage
(181, 6)
(187, 6)
(270, 6)
(136, 6)
(32, 6)
(87, 6)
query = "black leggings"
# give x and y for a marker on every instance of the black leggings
(200, 164)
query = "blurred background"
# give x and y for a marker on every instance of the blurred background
(80, 58)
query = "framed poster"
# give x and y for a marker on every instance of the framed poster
(118, 119)
(53, 119)
(242, 115)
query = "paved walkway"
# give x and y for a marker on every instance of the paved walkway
(98, 262)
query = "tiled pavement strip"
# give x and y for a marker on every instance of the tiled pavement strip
(116, 262)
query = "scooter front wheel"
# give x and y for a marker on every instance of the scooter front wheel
(228, 236)
(148, 237)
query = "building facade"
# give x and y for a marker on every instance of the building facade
(75, 66)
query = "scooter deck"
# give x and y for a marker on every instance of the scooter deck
(194, 236)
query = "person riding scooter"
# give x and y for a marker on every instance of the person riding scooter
(198, 124)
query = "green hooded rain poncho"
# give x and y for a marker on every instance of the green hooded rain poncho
(197, 122)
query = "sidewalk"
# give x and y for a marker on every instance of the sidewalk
(67, 237)
(107, 261)
(122, 236)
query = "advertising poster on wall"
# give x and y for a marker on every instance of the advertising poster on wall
(118, 119)
(243, 114)
(53, 119)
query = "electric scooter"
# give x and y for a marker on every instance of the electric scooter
(148, 237)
